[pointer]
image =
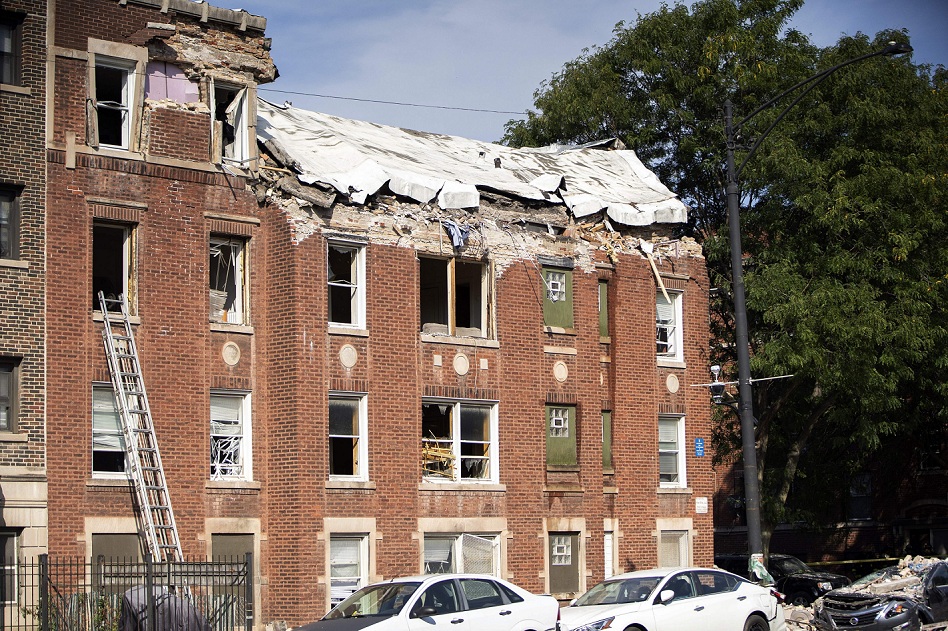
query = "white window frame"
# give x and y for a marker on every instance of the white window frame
(242, 469)
(454, 443)
(100, 392)
(238, 313)
(674, 425)
(128, 104)
(356, 287)
(242, 107)
(668, 326)
(456, 543)
(561, 549)
(337, 591)
(484, 328)
(362, 464)
(680, 538)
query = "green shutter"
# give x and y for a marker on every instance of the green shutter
(603, 309)
(606, 439)
(560, 435)
(557, 288)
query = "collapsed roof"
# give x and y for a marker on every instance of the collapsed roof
(358, 158)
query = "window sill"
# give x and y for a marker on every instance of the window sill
(672, 490)
(232, 485)
(559, 350)
(669, 363)
(109, 483)
(605, 339)
(559, 330)
(335, 329)
(346, 485)
(13, 437)
(610, 490)
(97, 317)
(480, 487)
(479, 342)
(224, 327)
(16, 89)
(14, 263)
(564, 487)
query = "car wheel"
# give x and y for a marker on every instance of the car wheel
(756, 623)
(801, 599)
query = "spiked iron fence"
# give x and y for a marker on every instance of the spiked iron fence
(69, 594)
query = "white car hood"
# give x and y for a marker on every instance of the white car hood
(571, 617)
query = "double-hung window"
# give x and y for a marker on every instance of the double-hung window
(230, 436)
(10, 47)
(346, 273)
(108, 439)
(228, 280)
(348, 449)
(459, 441)
(113, 263)
(114, 101)
(448, 553)
(9, 371)
(348, 565)
(9, 225)
(454, 297)
(671, 452)
(668, 334)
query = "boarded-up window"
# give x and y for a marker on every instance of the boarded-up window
(557, 297)
(561, 435)
(564, 562)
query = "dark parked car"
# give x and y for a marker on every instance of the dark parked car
(887, 600)
(793, 578)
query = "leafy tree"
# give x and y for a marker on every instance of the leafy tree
(843, 222)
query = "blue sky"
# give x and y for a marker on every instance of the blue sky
(493, 54)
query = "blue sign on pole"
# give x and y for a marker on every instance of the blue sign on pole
(699, 447)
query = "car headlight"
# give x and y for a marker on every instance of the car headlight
(825, 586)
(598, 625)
(896, 608)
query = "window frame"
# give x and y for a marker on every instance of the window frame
(555, 315)
(457, 456)
(14, 21)
(361, 469)
(11, 578)
(243, 149)
(133, 60)
(678, 452)
(554, 550)
(450, 285)
(603, 307)
(566, 443)
(10, 374)
(357, 287)
(607, 434)
(106, 389)
(362, 545)
(10, 199)
(245, 407)
(239, 314)
(673, 340)
(128, 272)
(456, 552)
(683, 542)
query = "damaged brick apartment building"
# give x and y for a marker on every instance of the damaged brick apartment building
(368, 351)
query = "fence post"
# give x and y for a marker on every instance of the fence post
(44, 592)
(249, 578)
(150, 591)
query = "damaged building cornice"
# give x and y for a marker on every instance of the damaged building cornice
(205, 12)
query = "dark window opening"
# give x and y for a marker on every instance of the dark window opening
(8, 395)
(109, 263)
(9, 225)
(452, 297)
(111, 96)
(10, 47)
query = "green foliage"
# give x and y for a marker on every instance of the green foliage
(843, 222)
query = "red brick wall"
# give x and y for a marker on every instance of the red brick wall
(179, 134)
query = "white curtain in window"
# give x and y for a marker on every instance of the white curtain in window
(106, 423)
(225, 414)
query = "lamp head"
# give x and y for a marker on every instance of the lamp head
(896, 48)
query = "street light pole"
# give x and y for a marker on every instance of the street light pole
(732, 190)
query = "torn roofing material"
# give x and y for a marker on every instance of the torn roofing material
(357, 158)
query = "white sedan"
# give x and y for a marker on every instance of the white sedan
(459, 602)
(675, 599)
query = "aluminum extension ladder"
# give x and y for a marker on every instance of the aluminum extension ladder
(141, 445)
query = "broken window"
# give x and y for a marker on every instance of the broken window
(561, 435)
(108, 439)
(557, 297)
(668, 326)
(346, 270)
(9, 373)
(671, 453)
(113, 101)
(228, 280)
(10, 46)
(348, 452)
(564, 562)
(458, 440)
(231, 140)
(348, 566)
(230, 436)
(112, 263)
(453, 297)
(9, 225)
(464, 552)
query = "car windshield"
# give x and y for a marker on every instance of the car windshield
(628, 590)
(386, 599)
(788, 565)
(874, 576)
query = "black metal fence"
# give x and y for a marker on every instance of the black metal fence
(68, 594)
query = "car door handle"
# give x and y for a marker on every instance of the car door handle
(700, 608)
(742, 597)
(457, 621)
(506, 612)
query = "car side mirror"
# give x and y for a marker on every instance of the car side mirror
(666, 596)
(424, 612)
